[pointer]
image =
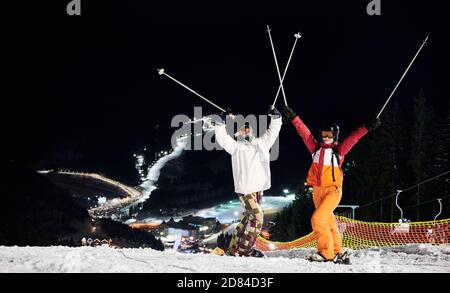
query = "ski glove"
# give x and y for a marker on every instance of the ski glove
(289, 114)
(224, 115)
(374, 124)
(274, 112)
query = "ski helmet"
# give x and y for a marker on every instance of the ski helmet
(330, 127)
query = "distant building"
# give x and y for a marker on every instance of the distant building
(199, 221)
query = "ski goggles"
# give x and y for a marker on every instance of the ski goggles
(327, 136)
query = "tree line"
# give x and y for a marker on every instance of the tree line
(411, 146)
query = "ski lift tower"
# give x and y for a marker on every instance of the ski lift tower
(353, 207)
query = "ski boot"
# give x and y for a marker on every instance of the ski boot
(229, 253)
(317, 257)
(256, 253)
(342, 258)
(218, 251)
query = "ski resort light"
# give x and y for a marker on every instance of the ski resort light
(285, 191)
(236, 216)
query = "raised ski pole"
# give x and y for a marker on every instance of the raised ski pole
(297, 36)
(276, 64)
(161, 72)
(381, 111)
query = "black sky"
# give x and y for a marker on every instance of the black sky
(91, 80)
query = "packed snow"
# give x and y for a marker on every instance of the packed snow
(405, 259)
(155, 170)
(181, 142)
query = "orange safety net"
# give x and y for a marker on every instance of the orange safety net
(358, 235)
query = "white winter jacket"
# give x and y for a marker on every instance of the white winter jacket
(250, 160)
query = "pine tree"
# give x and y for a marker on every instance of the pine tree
(439, 164)
(294, 220)
(421, 148)
(372, 167)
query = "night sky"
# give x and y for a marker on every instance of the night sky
(90, 83)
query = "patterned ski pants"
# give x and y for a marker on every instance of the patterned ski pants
(248, 230)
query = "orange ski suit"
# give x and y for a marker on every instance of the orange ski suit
(325, 176)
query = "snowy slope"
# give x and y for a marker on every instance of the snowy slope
(412, 258)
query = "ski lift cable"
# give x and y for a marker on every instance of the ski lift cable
(276, 64)
(428, 201)
(426, 181)
(404, 74)
(297, 36)
(409, 188)
(413, 206)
